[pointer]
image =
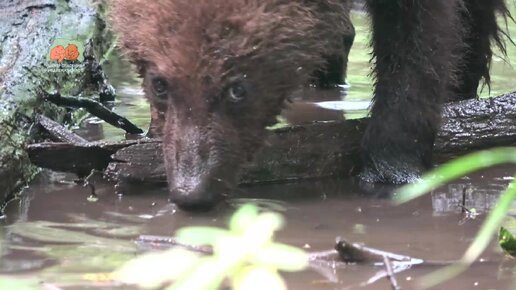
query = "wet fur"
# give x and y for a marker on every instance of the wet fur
(421, 49)
(481, 30)
(213, 41)
(426, 52)
(201, 49)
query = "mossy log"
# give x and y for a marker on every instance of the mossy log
(293, 153)
(28, 30)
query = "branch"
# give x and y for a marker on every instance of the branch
(96, 109)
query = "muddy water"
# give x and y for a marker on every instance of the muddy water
(57, 235)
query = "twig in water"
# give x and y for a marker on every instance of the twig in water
(95, 108)
(87, 181)
(390, 273)
(357, 253)
(149, 242)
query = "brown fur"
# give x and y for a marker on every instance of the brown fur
(194, 54)
(217, 39)
(201, 48)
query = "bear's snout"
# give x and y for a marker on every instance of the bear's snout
(200, 173)
(202, 195)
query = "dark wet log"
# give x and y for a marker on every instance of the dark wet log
(469, 125)
(78, 158)
(57, 132)
(301, 152)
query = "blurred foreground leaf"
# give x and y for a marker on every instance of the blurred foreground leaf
(258, 278)
(246, 215)
(507, 241)
(455, 169)
(283, 257)
(154, 270)
(200, 236)
(489, 228)
(244, 255)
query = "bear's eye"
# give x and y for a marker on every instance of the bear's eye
(160, 87)
(237, 93)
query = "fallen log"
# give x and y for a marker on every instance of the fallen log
(301, 152)
(58, 132)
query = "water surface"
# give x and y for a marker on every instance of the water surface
(57, 235)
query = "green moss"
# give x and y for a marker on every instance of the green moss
(32, 72)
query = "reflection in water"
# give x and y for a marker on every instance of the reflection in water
(57, 234)
(458, 197)
(92, 129)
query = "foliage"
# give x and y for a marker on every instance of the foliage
(455, 169)
(507, 241)
(245, 254)
(452, 170)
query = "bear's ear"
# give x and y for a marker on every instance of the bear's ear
(135, 23)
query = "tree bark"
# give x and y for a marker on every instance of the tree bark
(293, 153)
(28, 29)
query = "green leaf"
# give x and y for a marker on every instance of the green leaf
(243, 217)
(488, 229)
(200, 235)
(455, 169)
(206, 276)
(151, 271)
(507, 241)
(258, 278)
(251, 233)
(282, 257)
(268, 223)
(491, 225)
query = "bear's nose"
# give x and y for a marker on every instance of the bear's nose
(203, 197)
(192, 200)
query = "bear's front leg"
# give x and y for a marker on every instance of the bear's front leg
(333, 74)
(481, 29)
(414, 54)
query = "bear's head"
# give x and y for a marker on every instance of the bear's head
(217, 73)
